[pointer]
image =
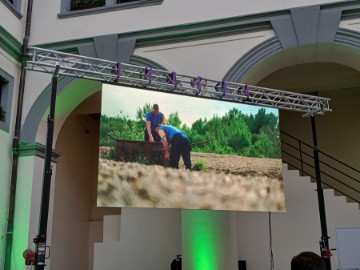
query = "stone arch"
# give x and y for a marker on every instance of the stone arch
(253, 57)
(303, 30)
(257, 64)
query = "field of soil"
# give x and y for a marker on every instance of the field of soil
(229, 183)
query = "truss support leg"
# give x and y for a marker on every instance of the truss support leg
(324, 242)
(40, 240)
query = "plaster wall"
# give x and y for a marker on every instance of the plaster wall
(5, 169)
(77, 222)
(36, 82)
(344, 124)
(66, 102)
(149, 238)
(22, 208)
(12, 23)
(27, 207)
(213, 57)
(169, 13)
(73, 203)
(6, 64)
(336, 131)
(319, 53)
(209, 239)
(353, 24)
(35, 205)
(7, 61)
(296, 230)
(12, 68)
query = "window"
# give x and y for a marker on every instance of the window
(1, 86)
(2, 109)
(14, 6)
(85, 4)
(6, 94)
(124, 1)
(73, 8)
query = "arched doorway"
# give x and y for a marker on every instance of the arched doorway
(77, 222)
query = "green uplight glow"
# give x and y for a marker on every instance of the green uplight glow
(203, 239)
(73, 95)
(22, 218)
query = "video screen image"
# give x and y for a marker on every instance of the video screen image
(163, 150)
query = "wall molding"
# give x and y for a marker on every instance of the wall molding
(10, 44)
(38, 150)
(250, 59)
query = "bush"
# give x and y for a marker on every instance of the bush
(112, 153)
(142, 159)
(199, 165)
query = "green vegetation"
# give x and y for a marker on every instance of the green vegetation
(112, 153)
(234, 133)
(142, 159)
(122, 128)
(199, 165)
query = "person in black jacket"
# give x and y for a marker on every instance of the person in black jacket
(307, 260)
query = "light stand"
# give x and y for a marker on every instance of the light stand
(324, 242)
(40, 240)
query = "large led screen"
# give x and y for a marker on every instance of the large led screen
(234, 150)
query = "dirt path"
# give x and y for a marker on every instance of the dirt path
(247, 184)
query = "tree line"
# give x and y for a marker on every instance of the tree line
(235, 133)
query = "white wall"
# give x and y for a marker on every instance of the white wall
(350, 24)
(66, 102)
(8, 65)
(73, 186)
(27, 207)
(209, 240)
(149, 239)
(335, 130)
(318, 53)
(11, 23)
(36, 82)
(210, 58)
(344, 126)
(296, 230)
(77, 222)
(171, 12)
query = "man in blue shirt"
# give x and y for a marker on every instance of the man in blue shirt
(179, 142)
(153, 118)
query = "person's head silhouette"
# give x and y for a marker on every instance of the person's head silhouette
(307, 260)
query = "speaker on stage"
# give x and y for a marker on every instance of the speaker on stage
(176, 263)
(242, 265)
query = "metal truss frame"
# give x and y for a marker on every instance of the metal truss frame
(46, 61)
